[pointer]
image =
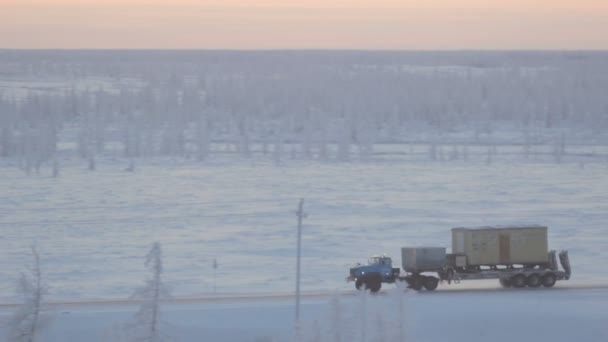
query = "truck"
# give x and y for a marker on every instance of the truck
(517, 256)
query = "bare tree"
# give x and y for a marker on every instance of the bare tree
(148, 318)
(29, 318)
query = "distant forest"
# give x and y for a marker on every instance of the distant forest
(179, 103)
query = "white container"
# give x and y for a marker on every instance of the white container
(493, 246)
(419, 259)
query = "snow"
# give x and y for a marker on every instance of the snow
(558, 314)
(92, 228)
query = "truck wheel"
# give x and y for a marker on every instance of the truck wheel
(518, 281)
(430, 283)
(533, 280)
(549, 280)
(415, 282)
(505, 282)
(374, 286)
(374, 283)
(359, 284)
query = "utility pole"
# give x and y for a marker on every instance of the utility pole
(300, 213)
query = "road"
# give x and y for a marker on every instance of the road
(569, 313)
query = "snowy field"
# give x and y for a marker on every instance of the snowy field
(558, 314)
(93, 228)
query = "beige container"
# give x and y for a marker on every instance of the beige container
(501, 245)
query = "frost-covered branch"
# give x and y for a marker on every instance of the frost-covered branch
(147, 323)
(29, 318)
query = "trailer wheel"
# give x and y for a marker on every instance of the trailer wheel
(431, 283)
(505, 282)
(549, 280)
(518, 281)
(359, 284)
(533, 280)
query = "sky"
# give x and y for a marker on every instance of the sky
(304, 24)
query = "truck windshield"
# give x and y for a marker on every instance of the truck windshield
(379, 261)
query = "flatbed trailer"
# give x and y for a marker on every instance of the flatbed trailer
(517, 277)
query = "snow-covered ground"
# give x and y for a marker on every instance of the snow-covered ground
(92, 228)
(558, 314)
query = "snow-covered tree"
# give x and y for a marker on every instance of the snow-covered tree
(278, 147)
(202, 138)
(344, 141)
(147, 325)
(559, 148)
(489, 155)
(55, 168)
(26, 324)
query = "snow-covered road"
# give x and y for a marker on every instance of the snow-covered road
(459, 313)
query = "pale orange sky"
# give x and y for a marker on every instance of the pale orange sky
(316, 24)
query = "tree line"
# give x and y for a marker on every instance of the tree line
(145, 104)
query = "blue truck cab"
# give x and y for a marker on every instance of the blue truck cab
(379, 269)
